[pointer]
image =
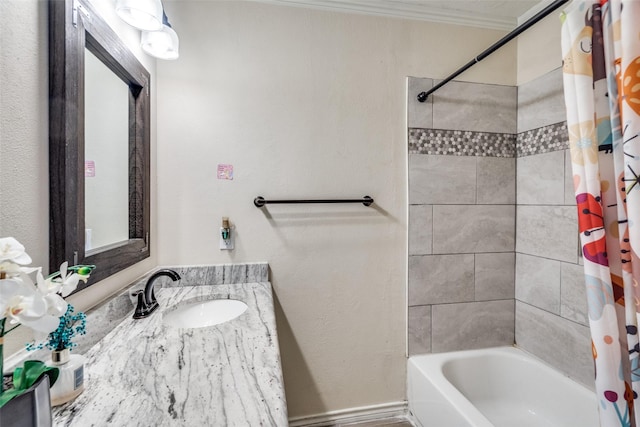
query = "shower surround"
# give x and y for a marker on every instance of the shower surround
(493, 240)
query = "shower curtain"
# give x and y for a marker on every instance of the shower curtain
(601, 72)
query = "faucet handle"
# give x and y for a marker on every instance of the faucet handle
(141, 308)
(147, 302)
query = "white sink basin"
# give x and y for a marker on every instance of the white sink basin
(201, 314)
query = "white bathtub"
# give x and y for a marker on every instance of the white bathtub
(495, 387)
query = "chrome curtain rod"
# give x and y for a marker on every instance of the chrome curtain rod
(422, 96)
(260, 201)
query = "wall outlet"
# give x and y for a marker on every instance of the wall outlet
(226, 244)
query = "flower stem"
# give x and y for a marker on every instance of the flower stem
(80, 269)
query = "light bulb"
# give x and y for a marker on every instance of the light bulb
(145, 15)
(163, 44)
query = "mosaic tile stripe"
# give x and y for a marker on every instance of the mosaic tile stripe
(543, 140)
(467, 143)
(461, 143)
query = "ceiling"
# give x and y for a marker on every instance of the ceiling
(494, 14)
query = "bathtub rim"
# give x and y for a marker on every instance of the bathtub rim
(431, 367)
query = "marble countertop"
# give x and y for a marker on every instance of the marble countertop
(144, 373)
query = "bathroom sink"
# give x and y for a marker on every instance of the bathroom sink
(201, 314)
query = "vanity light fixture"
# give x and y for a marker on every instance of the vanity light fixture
(163, 44)
(145, 15)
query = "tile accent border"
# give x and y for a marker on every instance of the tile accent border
(461, 143)
(485, 144)
(545, 139)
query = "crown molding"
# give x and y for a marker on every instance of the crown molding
(423, 11)
(537, 8)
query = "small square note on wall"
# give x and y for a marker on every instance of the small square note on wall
(225, 172)
(89, 169)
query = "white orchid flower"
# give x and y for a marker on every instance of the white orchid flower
(38, 307)
(67, 283)
(8, 288)
(56, 305)
(9, 269)
(47, 286)
(21, 302)
(29, 270)
(11, 250)
(42, 326)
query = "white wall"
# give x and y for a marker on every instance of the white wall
(24, 139)
(24, 171)
(305, 104)
(539, 49)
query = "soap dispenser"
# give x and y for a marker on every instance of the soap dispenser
(226, 238)
(70, 381)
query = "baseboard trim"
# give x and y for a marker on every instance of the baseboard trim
(351, 415)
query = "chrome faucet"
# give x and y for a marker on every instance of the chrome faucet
(147, 302)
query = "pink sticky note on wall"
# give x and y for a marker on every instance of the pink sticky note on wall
(225, 171)
(89, 169)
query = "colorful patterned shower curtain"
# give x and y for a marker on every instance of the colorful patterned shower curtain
(601, 70)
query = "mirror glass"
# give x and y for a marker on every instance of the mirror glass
(106, 171)
(99, 144)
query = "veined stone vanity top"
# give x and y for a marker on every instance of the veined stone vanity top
(144, 373)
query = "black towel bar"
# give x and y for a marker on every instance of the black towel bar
(261, 201)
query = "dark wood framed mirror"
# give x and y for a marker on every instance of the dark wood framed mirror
(78, 40)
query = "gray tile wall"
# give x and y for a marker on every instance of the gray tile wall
(493, 242)
(541, 102)
(462, 178)
(475, 107)
(564, 344)
(470, 325)
(551, 317)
